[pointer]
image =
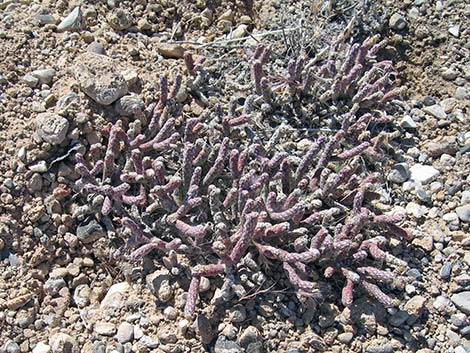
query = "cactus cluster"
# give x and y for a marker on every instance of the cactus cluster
(211, 188)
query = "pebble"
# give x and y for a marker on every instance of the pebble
(442, 303)
(90, 232)
(72, 21)
(53, 285)
(41, 348)
(61, 342)
(44, 76)
(455, 31)
(125, 332)
(19, 301)
(81, 295)
(345, 337)
(223, 345)
(423, 195)
(399, 173)
(397, 22)
(459, 319)
(46, 19)
(239, 32)
(170, 313)
(105, 328)
(97, 48)
(51, 127)
(148, 342)
(449, 74)
(463, 212)
(127, 105)
(12, 347)
(423, 173)
(30, 80)
(170, 51)
(436, 111)
(99, 78)
(460, 93)
(407, 122)
(415, 210)
(116, 295)
(415, 305)
(204, 329)
(446, 270)
(462, 301)
(159, 284)
(399, 318)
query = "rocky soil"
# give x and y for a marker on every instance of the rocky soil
(69, 67)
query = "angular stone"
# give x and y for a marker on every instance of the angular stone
(52, 128)
(125, 332)
(99, 78)
(436, 111)
(90, 232)
(73, 21)
(462, 301)
(423, 173)
(463, 212)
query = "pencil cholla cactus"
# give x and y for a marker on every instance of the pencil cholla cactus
(210, 188)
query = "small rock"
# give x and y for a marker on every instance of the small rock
(399, 173)
(115, 296)
(125, 332)
(51, 127)
(105, 328)
(170, 313)
(41, 348)
(462, 301)
(423, 173)
(90, 232)
(170, 51)
(426, 242)
(455, 30)
(128, 105)
(399, 318)
(18, 302)
(148, 342)
(97, 48)
(12, 347)
(204, 329)
(249, 336)
(446, 270)
(345, 337)
(159, 284)
(415, 305)
(239, 32)
(143, 24)
(30, 80)
(44, 75)
(415, 210)
(428, 101)
(223, 345)
(407, 122)
(461, 93)
(46, 19)
(81, 295)
(119, 19)
(73, 21)
(463, 212)
(442, 303)
(63, 343)
(449, 74)
(436, 111)
(99, 78)
(397, 22)
(53, 285)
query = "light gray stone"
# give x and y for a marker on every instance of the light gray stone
(397, 22)
(51, 127)
(99, 78)
(44, 75)
(455, 30)
(73, 21)
(105, 328)
(463, 212)
(436, 111)
(462, 301)
(423, 173)
(125, 332)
